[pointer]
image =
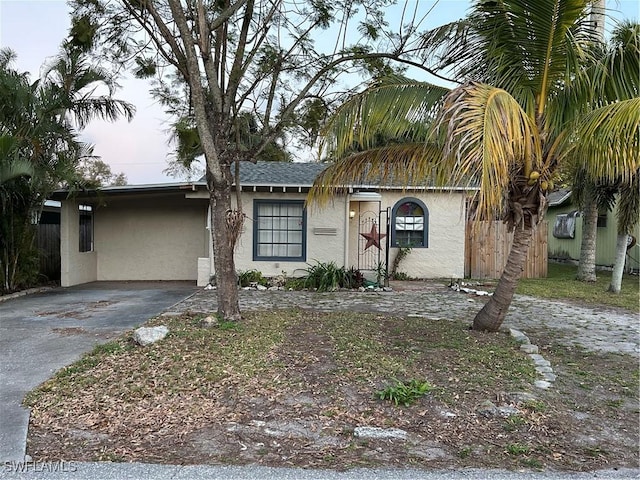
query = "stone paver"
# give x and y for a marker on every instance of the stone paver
(593, 328)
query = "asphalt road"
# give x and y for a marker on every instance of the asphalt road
(139, 471)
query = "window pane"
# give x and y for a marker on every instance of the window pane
(294, 210)
(294, 251)
(295, 237)
(279, 236)
(265, 250)
(265, 236)
(294, 223)
(265, 223)
(265, 209)
(280, 223)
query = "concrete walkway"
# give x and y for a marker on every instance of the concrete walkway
(598, 328)
(46, 331)
(38, 318)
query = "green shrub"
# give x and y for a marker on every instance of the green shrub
(295, 283)
(247, 277)
(405, 393)
(327, 277)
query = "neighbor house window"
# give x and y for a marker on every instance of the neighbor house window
(86, 228)
(602, 219)
(410, 224)
(279, 230)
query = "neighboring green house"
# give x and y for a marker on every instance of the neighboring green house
(565, 233)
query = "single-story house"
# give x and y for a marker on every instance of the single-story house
(565, 233)
(162, 232)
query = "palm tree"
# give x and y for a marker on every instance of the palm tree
(38, 137)
(75, 82)
(507, 129)
(620, 58)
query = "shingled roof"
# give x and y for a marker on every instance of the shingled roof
(267, 174)
(558, 197)
(280, 173)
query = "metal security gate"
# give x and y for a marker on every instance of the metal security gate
(373, 244)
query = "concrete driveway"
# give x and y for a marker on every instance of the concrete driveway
(44, 332)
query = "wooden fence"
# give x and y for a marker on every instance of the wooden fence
(487, 247)
(49, 247)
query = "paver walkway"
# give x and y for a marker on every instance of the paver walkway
(592, 327)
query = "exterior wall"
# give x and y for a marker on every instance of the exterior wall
(332, 237)
(158, 238)
(76, 266)
(325, 236)
(606, 239)
(444, 257)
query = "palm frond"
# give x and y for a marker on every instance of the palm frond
(398, 164)
(11, 166)
(84, 109)
(607, 140)
(395, 108)
(617, 76)
(488, 137)
(529, 48)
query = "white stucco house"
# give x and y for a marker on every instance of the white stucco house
(161, 232)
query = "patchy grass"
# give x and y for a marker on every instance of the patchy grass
(289, 388)
(561, 283)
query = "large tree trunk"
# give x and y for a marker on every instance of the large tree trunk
(223, 249)
(587, 265)
(492, 315)
(618, 266)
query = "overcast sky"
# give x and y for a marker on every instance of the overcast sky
(34, 29)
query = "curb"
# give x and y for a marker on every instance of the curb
(543, 366)
(22, 293)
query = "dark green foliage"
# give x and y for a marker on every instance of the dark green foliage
(247, 277)
(39, 147)
(405, 393)
(327, 277)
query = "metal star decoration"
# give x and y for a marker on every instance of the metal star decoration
(373, 237)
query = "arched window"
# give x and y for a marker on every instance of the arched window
(410, 224)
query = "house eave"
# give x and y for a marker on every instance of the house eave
(64, 194)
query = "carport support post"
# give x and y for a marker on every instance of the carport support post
(69, 239)
(75, 266)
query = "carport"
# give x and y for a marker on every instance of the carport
(142, 232)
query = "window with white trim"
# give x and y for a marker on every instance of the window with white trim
(279, 231)
(410, 224)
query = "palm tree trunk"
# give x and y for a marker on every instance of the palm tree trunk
(618, 266)
(587, 265)
(492, 315)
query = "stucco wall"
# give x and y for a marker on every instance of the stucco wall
(76, 267)
(332, 236)
(444, 257)
(156, 238)
(325, 237)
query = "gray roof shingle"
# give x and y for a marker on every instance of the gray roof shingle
(280, 173)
